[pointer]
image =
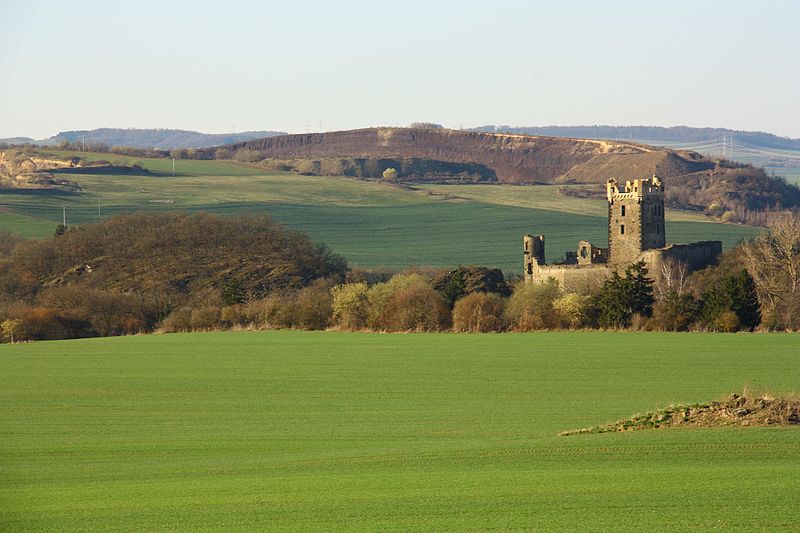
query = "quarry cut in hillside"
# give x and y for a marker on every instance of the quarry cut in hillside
(745, 410)
(520, 159)
(724, 189)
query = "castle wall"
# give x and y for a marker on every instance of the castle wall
(583, 279)
(588, 254)
(696, 255)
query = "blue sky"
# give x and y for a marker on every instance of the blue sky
(298, 66)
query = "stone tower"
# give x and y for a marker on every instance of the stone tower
(635, 219)
(532, 254)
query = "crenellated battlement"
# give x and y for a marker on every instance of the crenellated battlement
(638, 188)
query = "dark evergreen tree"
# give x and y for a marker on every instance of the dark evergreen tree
(455, 288)
(233, 292)
(735, 293)
(744, 299)
(677, 312)
(623, 297)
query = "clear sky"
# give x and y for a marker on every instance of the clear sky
(297, 66)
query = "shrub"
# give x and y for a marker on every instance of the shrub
(727, 321)
(415, 308)
(531, 306)
(379, 295)
(390, 174)
(179, 320)
(350, 305)
(234, 315)
(246, 155)
(478, 313)
(42, 323)
(573, 310)
(108, 312)
(461, 281)
(205, 318)
(272, 311)
(311, 308)
(11, 328)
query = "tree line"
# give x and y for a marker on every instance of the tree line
(171, 272)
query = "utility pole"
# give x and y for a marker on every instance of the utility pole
(724, 144)
(173, 167)
(64, 216)
(83, 143)
(98, 206)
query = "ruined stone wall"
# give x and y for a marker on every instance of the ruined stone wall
(589, 278)
(696, 255)
(583, 279)
(588, 254)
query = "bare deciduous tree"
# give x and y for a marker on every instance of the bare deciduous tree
(773, 260)
(670, 277)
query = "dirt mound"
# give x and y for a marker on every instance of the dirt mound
(736, 410)
(664, 164)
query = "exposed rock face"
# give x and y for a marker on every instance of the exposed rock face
(407, 168)
(693, 181)
(514, 158)
(18, 169)
(662, 163)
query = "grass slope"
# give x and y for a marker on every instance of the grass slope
(324, 431)
(371, 224)
(25, 226)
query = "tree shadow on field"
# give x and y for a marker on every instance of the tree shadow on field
(113, 170)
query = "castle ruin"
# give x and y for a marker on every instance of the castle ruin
(636, 231)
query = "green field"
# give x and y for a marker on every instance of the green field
(372, 224)
(317, 431)
(25, 226)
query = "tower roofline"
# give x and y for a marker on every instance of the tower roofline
(637, 188)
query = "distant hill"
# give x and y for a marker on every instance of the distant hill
(675, 134)
(514, 158)
(694, 181)
(17, 140)
(163, 139)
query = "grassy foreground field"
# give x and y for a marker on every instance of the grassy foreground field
(372, 224)
(319, 431)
